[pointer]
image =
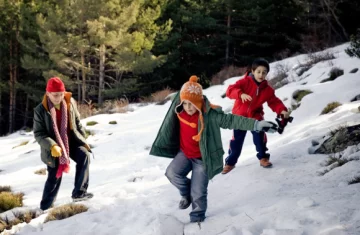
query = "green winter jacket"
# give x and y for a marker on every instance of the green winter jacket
(167, 142)
(44, 132)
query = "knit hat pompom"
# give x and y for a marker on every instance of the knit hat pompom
(193, 78)
(55, 85)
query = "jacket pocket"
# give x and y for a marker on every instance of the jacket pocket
(217, 159)
(47, 158)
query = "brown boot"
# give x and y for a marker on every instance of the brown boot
(227, 169)
(264, 162)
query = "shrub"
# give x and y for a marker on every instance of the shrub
(280, 75)
(355, 180)
(354, 48)
(21, 144)
(302, 69)
(41, 171)
(331, 160)
(112, 122)
(65, 211)
(330, 107)
(91, 123)
(227, 72)
(314, 58)
(299, 94)
(334, 73)
(9, 200)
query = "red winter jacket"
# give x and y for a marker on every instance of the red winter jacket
(260, 94)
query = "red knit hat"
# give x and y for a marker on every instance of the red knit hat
(55, 85)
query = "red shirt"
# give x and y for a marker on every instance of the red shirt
(189, 146)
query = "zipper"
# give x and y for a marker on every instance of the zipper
(257, 93)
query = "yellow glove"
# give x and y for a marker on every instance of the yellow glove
(56, 151)
(87, 147)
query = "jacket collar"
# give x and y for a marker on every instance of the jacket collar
(251, 77)
(67, 98)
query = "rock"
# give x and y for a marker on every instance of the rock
(354, 70)
(340, 140)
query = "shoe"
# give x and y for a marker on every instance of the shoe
(184, 202)
(227, 169)
(197, 220)
(264, 162)
(82, 197)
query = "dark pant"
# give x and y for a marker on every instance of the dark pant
(236, 144)
(82, 158)
(196, 187)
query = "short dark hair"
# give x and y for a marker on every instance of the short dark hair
(260, 62)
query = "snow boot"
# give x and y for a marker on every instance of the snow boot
(82, 197)
(227, 169)
(264, 162)
(185, 202)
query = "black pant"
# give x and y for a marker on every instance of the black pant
(82, 158)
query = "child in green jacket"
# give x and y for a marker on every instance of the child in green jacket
(190, 134)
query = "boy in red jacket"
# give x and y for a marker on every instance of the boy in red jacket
(250, 93)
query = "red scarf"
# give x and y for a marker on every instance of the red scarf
(61, 137)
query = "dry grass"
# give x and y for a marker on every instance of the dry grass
(41, 171)
(5, 189)
(65, 211)
(115, 106)
(160, 96)
(9, 200)
(26, 216)
(330, 107)
(299, 94)
(85, 110)
(112, 122)
(91, 123)
(333, 162)
(227, 72)
(21, 144)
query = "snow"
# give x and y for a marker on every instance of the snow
(132, 195)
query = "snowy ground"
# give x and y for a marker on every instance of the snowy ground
(132, 195)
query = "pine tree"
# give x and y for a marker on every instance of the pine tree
(354, 48)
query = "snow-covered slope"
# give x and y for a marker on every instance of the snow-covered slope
(132, 195)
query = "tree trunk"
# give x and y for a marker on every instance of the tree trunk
(1, 118)
(101, 73)
(27, 104)
(78, 84)
(12, 94)
(332, 12)
(83, 74)
(13, 66)
(228, 34)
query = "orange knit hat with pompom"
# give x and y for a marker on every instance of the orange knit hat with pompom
(192, 91)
